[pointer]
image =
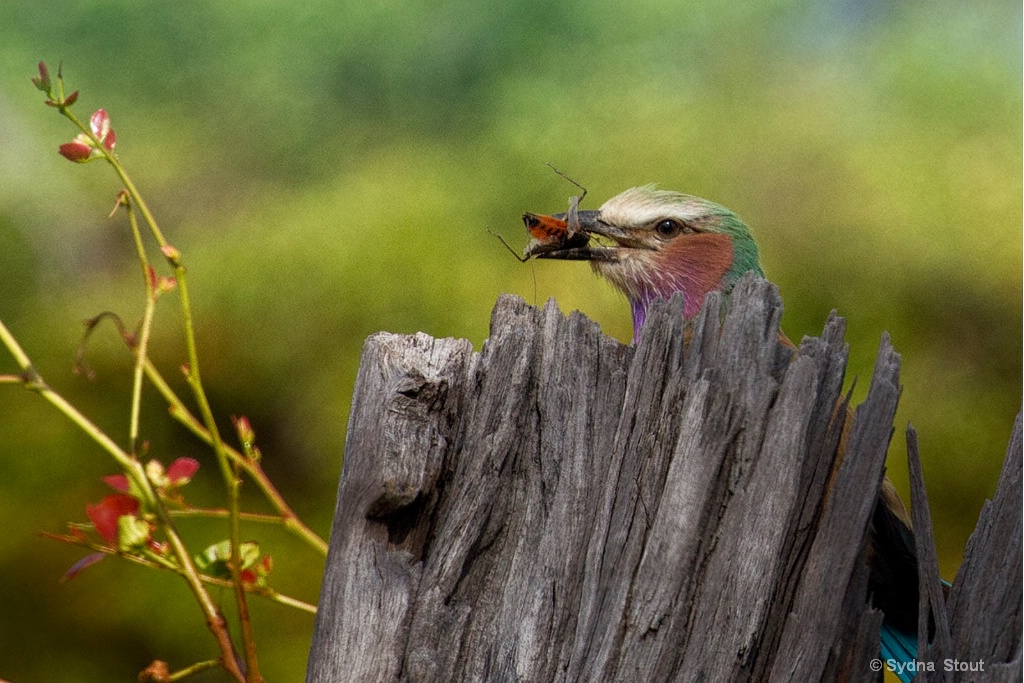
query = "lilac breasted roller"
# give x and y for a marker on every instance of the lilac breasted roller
(654, 243)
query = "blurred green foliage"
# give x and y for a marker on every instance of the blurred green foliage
(329, 169)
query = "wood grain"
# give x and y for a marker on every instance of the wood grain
(561, 507)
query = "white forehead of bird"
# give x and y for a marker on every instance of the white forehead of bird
(643, 206)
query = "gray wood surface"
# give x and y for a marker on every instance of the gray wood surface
(979, 628)
(561, 507)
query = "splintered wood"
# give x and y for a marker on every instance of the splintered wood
(560, 507)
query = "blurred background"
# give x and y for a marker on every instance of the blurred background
(331, 169)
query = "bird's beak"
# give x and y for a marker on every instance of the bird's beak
(590, 225)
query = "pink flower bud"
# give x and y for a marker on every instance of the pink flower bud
(71, 99)
(42, 82)
(244, 430)
(99, 122)
(78, 150)
(166, 284)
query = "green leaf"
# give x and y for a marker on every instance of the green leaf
(214, 559)
(132, 532)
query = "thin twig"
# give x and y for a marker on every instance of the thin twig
(180, 412)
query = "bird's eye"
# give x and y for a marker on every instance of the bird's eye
(668, 228)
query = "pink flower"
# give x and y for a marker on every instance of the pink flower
(82, 148)
(181, 471)
(118, 482)
(105, 515)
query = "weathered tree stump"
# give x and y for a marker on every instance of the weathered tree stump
(561, 507)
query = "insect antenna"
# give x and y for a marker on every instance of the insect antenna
(565, 177)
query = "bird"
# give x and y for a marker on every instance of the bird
(652, 243)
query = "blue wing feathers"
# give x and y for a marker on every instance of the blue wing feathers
(902, 649)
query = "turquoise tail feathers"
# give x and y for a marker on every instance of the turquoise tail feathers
(900, 649)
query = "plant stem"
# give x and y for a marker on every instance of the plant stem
(134, 469)
(33, 381)
(229, 464)
(143, 341)
(220, 513)
(231, 481)
(194, 669)
(154, 561)
(214, 619)
(252, 467)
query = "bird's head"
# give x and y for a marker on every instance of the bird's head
(653, 243)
